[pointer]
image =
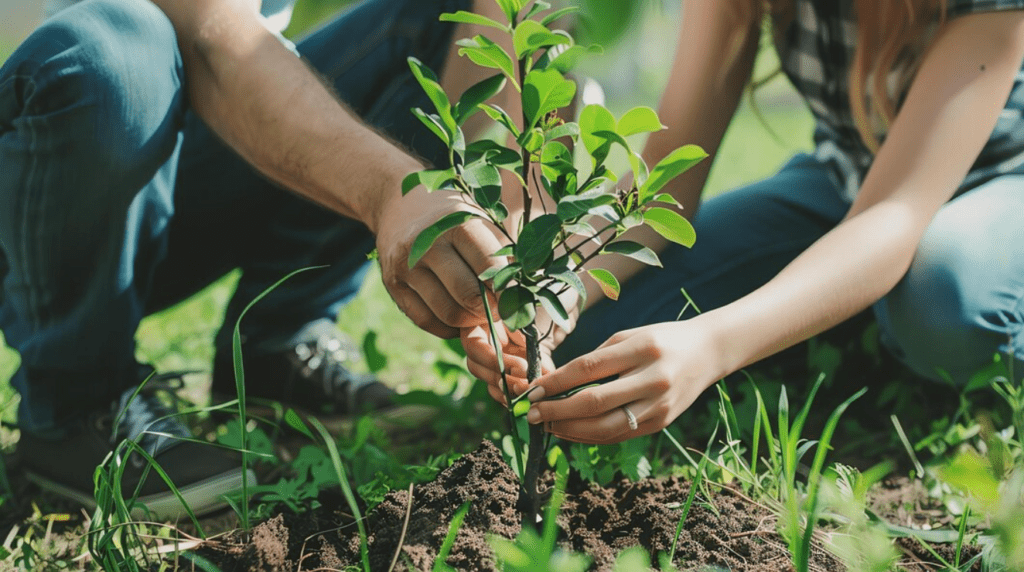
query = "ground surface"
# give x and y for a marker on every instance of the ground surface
(725, 530)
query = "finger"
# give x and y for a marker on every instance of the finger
(480, 348)
(591, 402)
(476, 244)
(497, 395)
(410, 303)
(492, 376)
(597, 365)
(436, 297)
(459, 281)
(604, 431)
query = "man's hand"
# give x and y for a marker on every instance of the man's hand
(441, 294)
(482, 362)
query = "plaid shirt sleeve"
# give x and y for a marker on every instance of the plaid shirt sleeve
(962, 7)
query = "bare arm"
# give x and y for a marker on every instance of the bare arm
(278, 115)
(267, 105)
(950, 111)
(949, 114)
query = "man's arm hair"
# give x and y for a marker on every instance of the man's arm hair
(276, 113)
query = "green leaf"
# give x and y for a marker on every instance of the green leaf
(503, 251)
(434, 124)
(568, 58)
(470, 101)
(607, 281)
(487, 196)
(553, 306)
(516, 307)
(484, 52)
(671, 225)
(558, 14)
(536, 240)
(563, 274)
(581, 227)
(532, 140)
(545, 91)
(556, 160)
(634, 250)
(430, 234)
(501, 116)
(428, 81)
(575, 206)
(464, 17)
(636, 163)
(489, 274)
(538, 7)
(295, 422)
(639, 120)
(563, 130)
(511, 8)
(675, 164)
(432, 180)
(596, 119)
(505, 275)
(667, 199)
(493, 153)
(635, 218)
(531, 36)
(481, 174)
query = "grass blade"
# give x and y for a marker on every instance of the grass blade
(346, 488)
(449, 540)
(701, 468)
(236, 358)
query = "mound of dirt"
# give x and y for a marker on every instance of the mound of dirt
(726, 531)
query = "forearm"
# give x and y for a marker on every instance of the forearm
(275, 112)
(843, 273)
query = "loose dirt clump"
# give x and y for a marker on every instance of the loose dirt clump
(726, 531)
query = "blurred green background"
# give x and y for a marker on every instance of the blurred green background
(639, 37)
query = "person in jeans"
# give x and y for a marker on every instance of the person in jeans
(911, 204)
(148, 148)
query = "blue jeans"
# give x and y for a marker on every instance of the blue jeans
(961, 302)
(116, 201)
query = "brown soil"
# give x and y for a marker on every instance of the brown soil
(726, 531)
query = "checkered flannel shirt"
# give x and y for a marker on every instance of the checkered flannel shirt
(817, 51)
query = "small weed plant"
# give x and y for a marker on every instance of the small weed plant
(570, 213)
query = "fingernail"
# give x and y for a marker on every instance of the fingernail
(535, 394)
(533, 416)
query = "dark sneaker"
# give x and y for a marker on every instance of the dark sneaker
(203, 474)
(315, 376)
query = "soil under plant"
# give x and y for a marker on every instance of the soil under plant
(726, 532)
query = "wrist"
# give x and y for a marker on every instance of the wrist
(721, 354)
(384, 196)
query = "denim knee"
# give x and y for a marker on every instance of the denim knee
(98, 79)
(962, 301)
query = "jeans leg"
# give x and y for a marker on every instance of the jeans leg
(744, 238)
(962, 300)
(91, 107)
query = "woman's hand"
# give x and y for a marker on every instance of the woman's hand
(659, 369)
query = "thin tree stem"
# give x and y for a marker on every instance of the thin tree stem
(536, 455)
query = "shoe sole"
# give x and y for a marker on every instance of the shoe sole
(202, 498)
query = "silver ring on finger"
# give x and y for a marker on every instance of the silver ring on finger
(630, 418)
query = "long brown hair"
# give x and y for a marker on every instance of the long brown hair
(891, 37)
